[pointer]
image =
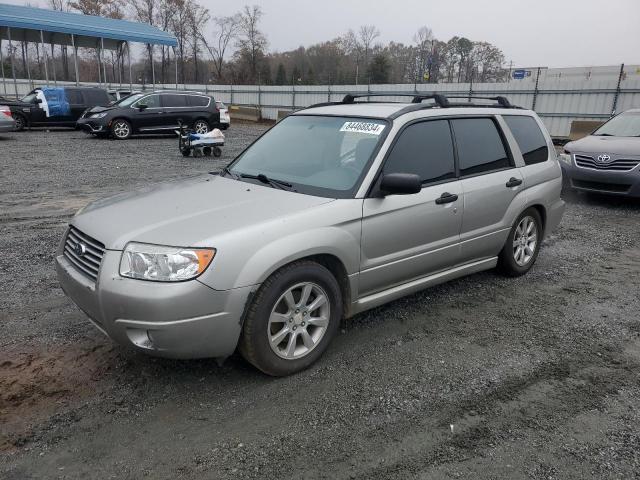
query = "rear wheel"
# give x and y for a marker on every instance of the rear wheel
(121, 129)
(21, 122)
(292, 319)
(523, 244)
(201, 126)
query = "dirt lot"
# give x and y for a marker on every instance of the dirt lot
(485, 377)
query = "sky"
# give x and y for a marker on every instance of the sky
(551, 33)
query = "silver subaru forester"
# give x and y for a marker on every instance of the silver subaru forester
(337, 209)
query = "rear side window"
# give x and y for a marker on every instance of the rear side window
(198, 101)
(95, 97)
(174, 100)
(530, 139)
(480, 147)
(425, 149)
(74, 96)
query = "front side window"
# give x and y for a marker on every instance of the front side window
(480, 147)
(151, 101)
(425, 149)
(530, 139)
(319, 155)
(128, 101)
(623, 125)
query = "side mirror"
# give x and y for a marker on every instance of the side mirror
(143, 106)
(37, 100)
(400, 184)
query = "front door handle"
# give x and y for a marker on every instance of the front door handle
(514, 182)
(446, 197)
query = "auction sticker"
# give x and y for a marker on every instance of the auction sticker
(363, 127)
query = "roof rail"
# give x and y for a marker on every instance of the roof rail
(439, 100)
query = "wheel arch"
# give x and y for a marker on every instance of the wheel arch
(542, 211)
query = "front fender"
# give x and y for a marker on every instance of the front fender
(343, 242)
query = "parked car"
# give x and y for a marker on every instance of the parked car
(19, 111)
(225, 118)
(608, 160)
(117, 95)
(57, 106)
(153, 112)
(7, 123)
(337, 209)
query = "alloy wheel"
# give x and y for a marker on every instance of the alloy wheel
(298, 320)
(201, 127)
(121, 129)
(525, 241)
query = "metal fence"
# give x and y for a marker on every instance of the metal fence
(557, 100)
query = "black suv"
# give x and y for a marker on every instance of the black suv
(153, 112)
(54, 106)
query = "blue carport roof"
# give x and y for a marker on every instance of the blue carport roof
(23, 21)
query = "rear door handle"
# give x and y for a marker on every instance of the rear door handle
(446, 197)
(514, 182)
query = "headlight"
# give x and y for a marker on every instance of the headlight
(565, 157)
(164, 264)
(99, 115)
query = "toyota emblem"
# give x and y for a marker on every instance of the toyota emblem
(80, 249)
(604, 158)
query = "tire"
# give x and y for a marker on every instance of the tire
(201, 126)
(217, 152)
(121, 129)
(185, 152)
(271, 314)
(520, 252)
(21, 122)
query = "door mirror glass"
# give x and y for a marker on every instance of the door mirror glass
(400, 184)
(37, 100)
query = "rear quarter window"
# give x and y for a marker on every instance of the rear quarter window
(529, 137)
(198, 101)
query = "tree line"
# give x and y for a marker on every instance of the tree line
(235, 50)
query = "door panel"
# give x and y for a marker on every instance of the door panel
(151, 117)
(487, 219)
(409, 236)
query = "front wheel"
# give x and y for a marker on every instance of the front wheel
(121, 129)
(523, 244)
(292, 319)
(20, 121)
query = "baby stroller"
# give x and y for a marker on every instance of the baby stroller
(201, 144)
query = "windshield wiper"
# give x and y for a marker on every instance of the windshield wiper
(270, 181)
(602, 135)
(226, 171)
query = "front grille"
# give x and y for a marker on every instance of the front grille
(602, 187)
(87, 262)
(618, 165)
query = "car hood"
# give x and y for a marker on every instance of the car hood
(187, 213)
(99, 109)
(15, 103)
(609, 145)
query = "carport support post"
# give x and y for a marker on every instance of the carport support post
(104, 66)
(153, 69)
(44, 55)
(13, 67)
(175, 60)
(4, 81)
(129, 61)
(75, 56)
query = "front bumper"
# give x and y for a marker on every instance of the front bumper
(174, 320)
(92, 125)
(608, 182)
(7, 126)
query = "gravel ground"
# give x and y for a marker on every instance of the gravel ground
(484, 377)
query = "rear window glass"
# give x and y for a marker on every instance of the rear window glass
(173, 100)
(530, 139)
(480, 147)
(198, 101)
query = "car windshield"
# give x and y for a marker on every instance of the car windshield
(319, 155)
(29, 98)
(623, 125)
(125, 102)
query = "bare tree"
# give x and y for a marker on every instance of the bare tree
(166, 11)
(146, 11)
(367, 34)
(61, 6)
(424, 44)
(197, 17)
(251, 40)
(227, 30)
